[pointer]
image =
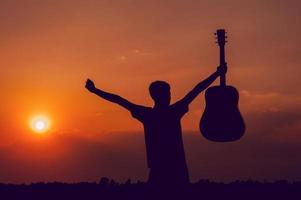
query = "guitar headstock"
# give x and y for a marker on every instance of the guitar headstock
(221, 37)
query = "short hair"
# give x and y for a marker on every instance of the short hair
(156, 88)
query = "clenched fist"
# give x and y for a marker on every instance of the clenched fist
(90, 85)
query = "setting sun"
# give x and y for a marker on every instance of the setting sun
(40, 124)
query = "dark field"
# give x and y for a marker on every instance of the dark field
(109, 189)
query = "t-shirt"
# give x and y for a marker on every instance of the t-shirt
(163, 135)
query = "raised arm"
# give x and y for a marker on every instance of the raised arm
(190, 96)
(109, 96)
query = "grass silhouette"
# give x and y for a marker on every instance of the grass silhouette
(109, 189)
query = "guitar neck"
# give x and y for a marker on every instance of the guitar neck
(222, 61)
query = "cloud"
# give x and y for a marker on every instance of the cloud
(121, 155)
(71, 158)
(250, 158)
(255, 101)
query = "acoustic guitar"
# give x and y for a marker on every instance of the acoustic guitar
(221, 120)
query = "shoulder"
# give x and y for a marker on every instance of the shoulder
(180, 107)
(140, 112)
(141, 108)
(179, 104)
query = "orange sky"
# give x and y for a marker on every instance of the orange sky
(48, 49)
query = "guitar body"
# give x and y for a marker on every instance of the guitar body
(222, 121)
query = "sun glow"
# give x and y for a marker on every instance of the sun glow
(40, 124)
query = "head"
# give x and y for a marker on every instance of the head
(160, 93)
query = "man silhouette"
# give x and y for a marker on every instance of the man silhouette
(162, 128)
